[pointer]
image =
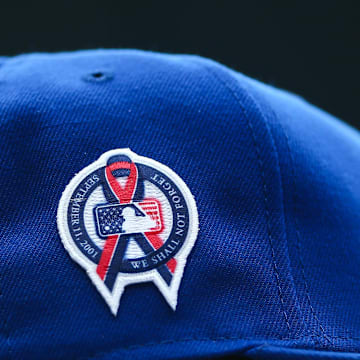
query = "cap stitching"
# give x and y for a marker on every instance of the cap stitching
(298, 237)
(278, 165)
(265, 192)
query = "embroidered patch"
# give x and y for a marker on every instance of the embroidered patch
(128, 219)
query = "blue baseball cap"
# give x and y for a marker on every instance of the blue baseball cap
(166, 207)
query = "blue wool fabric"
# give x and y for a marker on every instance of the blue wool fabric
(275, 270)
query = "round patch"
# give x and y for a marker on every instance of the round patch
(128, 219)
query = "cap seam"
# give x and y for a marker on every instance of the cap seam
(298, 237)
(265, 190)
(296, 225)
(312, 334)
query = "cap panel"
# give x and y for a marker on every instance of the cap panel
(54, 122)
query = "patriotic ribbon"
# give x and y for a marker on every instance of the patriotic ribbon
(124, 194)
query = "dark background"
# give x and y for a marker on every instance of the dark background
(309, 47)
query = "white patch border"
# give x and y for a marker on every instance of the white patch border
(170, 293)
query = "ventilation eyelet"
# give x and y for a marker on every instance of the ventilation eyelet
(98, 76)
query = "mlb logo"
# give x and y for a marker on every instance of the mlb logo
(118, 219)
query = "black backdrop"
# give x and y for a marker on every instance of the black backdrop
(309, 47)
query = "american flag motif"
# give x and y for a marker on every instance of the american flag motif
(110, 218)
